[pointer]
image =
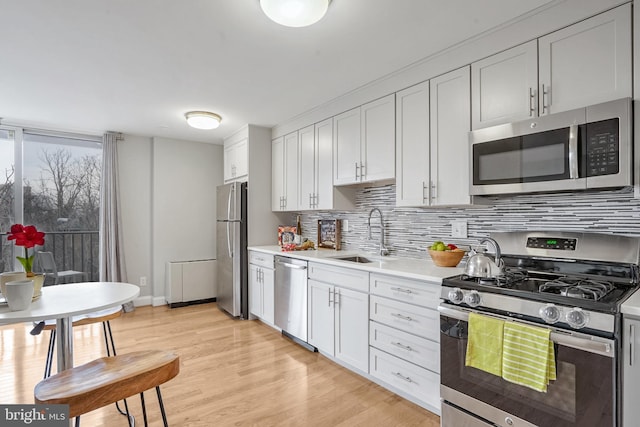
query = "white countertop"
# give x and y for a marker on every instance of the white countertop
(631, 307)
(408, 268)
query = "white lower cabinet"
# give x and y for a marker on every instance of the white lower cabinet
(404, 336)
(261, 286)
(338, 316)
(422, 384)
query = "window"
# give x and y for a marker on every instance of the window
(52, 181)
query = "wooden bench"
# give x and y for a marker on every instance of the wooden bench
(107, 380)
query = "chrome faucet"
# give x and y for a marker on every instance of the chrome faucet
(383, 249)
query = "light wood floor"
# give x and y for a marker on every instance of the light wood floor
(233, 373)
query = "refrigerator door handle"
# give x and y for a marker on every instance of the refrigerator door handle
(231, 191)
(229, 240)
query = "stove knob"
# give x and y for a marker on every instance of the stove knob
(456, 296)
(576, 318)
(473, 298)
(550, 313)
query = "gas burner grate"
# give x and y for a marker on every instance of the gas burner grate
(574, 287)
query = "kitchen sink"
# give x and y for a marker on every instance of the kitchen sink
(355, 258)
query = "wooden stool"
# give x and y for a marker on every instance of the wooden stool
(109, 379)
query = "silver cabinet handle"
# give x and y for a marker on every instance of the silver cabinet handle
(401, 316)
(532, 103)
(310, 200)
(362, 171)
(632, 346)
(402, 346)
(399, 375)
(425, 199)
(357, 167)
(545, 95)
(406, 291)
(573, 152)
(330, 301)
(336, 299)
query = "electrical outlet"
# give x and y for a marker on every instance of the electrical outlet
(143, 281)
(345, 225)
(459, 228)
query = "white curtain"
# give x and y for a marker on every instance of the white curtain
(112, 266)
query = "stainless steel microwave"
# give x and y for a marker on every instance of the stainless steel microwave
(573, 150)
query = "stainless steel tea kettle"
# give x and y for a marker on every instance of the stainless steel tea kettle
(480, 265)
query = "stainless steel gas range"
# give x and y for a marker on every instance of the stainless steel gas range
(570, 283)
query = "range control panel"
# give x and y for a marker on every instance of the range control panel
(551, 243)
(603, 152)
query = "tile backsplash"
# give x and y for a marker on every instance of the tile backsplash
(408, 231)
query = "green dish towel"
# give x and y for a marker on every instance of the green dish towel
(528, 358)
(484, 346)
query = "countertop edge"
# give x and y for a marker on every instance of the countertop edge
(415, 269)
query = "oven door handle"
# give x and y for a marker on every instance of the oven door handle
(596, 345)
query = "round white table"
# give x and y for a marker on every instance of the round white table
(62, 302)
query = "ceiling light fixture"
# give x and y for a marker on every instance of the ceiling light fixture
(295, 13)
(203, 119)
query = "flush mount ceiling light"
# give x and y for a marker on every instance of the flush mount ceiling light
(295, 13)
(203, 119)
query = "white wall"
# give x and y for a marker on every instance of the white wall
(184, 178)
(168, 206)
(134, 163)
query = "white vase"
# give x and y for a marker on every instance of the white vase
(19, 294)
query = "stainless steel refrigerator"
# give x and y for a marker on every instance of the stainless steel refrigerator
(231, 249)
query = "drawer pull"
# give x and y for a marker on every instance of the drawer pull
(399, 375)
(402, 346)
(406, 291)
(400, 316)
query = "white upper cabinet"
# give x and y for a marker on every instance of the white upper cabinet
(324, 192)
(236, 160)
(285, 164)
(364, 143)
(346, 147)
(432, 142)
(583, 64)
(412, 146)
(378, 148)
(277, 174)
(504, 86)
(587, 63)
(450, 126)
(307, 179)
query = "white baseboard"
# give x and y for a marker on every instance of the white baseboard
(140, 301)
(157, 301)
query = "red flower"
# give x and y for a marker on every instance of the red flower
(28, 237)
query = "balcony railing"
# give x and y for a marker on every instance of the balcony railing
(72, 250)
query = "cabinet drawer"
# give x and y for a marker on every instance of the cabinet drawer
(261, 259)
(407, 377)
(426, 294)
(346, 277)
(417, 350)
(406, 317)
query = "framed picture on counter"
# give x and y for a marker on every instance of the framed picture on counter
(329, 233)
(286, 234)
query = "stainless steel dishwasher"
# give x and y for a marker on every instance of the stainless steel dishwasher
(291, 298)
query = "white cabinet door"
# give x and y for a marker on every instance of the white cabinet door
(352, 328)
(277, 174)
(450, 125)
(291, 165)
(412, 146)
(504, 86)
(307, 167)
(255, 291)
(377, 147)
(324, 165)
(631, 372)
(321, 315)
(346, 147)
(236, 161)
(268, 295)
(587, 63)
